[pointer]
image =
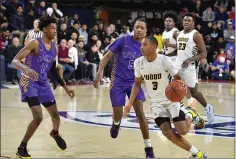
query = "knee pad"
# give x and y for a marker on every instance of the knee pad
(181, 117)
(161, 120)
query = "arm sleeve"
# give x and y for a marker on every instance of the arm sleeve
(56, 75)
(137, 71)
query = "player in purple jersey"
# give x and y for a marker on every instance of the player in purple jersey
(34, 86)
(126, 50)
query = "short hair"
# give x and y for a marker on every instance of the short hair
(45, 21)
(141, 20)
(19, 5)
(153, 39)
(190, 15)
(172, 15)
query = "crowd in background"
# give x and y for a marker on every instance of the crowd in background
(81, 48)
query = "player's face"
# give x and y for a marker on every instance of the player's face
(140, 30)
(51, 31)
(147, 47)
(188, 23)
(169, 23)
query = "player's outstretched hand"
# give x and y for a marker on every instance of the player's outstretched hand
(97, 79)
(31, 74)
(71, 93)
(127, 110)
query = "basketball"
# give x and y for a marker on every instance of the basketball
(176, 91)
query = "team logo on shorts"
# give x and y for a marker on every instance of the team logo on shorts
(223, 126)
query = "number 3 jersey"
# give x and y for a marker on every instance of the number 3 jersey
(156, 75)
(186, 46)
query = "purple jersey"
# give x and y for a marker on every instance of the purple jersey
(42, 61)
(126, 51)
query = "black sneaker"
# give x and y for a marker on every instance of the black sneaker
(149, 152)
(59, 140)
(22, 152)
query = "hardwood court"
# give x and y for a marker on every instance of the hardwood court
(85, 124)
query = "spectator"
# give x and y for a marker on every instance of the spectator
(158, 36)
(42, 9)
(83, 32)
(228, 32)
(231, 45)
(74, 19)
(84, 68)
(11, 8)
(93, 59)
(3, 21)
(73, 54)
(124, 31)
(74, 37)
(17, 23)
(101, 31)
(62, 33)
(4, 39)
(64, 60)
(199, 29)
(204, 69)
(54, 11)
(73, 29)
(220, 69)
(208, 29)
(220, 3)
(221, 54)
(215, 33)
(232, 13)
(118, 26)
(208, 15)
(93, 31)
(9, 54)
(221, 15)
(30, 20)
(220, 44)
(229, 56)
(210, 48)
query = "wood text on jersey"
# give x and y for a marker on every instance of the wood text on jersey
(183, 39)
(152, 76)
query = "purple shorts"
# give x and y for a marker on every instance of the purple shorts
(30, 88)
(118, 95)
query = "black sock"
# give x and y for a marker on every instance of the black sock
(54, 132)
(22, 144)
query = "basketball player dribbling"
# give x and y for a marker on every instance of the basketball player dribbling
(125, 50)
(154, 69)
(190, 49)
(34, 86)
(170, 45)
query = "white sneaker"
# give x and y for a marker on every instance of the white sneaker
(209, 110)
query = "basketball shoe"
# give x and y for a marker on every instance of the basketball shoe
(197, 118)
(149, 152)
(22, 152)
(59, 140)
(200, 154)
(114, 131)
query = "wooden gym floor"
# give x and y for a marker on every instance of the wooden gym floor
(85, 123)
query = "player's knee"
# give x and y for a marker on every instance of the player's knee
(183, 131)
(38, 119)
(169, 134)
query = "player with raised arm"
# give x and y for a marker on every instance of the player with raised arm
(154, 69)
(35, 89)
(190, 50)
(126, 50)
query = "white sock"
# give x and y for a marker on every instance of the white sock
(117, 123)
(190, 115)
(147, 143)
(190, 100)
(193, 150)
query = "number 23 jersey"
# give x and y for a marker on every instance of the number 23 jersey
(156, 75)
(186, 46)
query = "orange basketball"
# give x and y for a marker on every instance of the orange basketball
(176, 91)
